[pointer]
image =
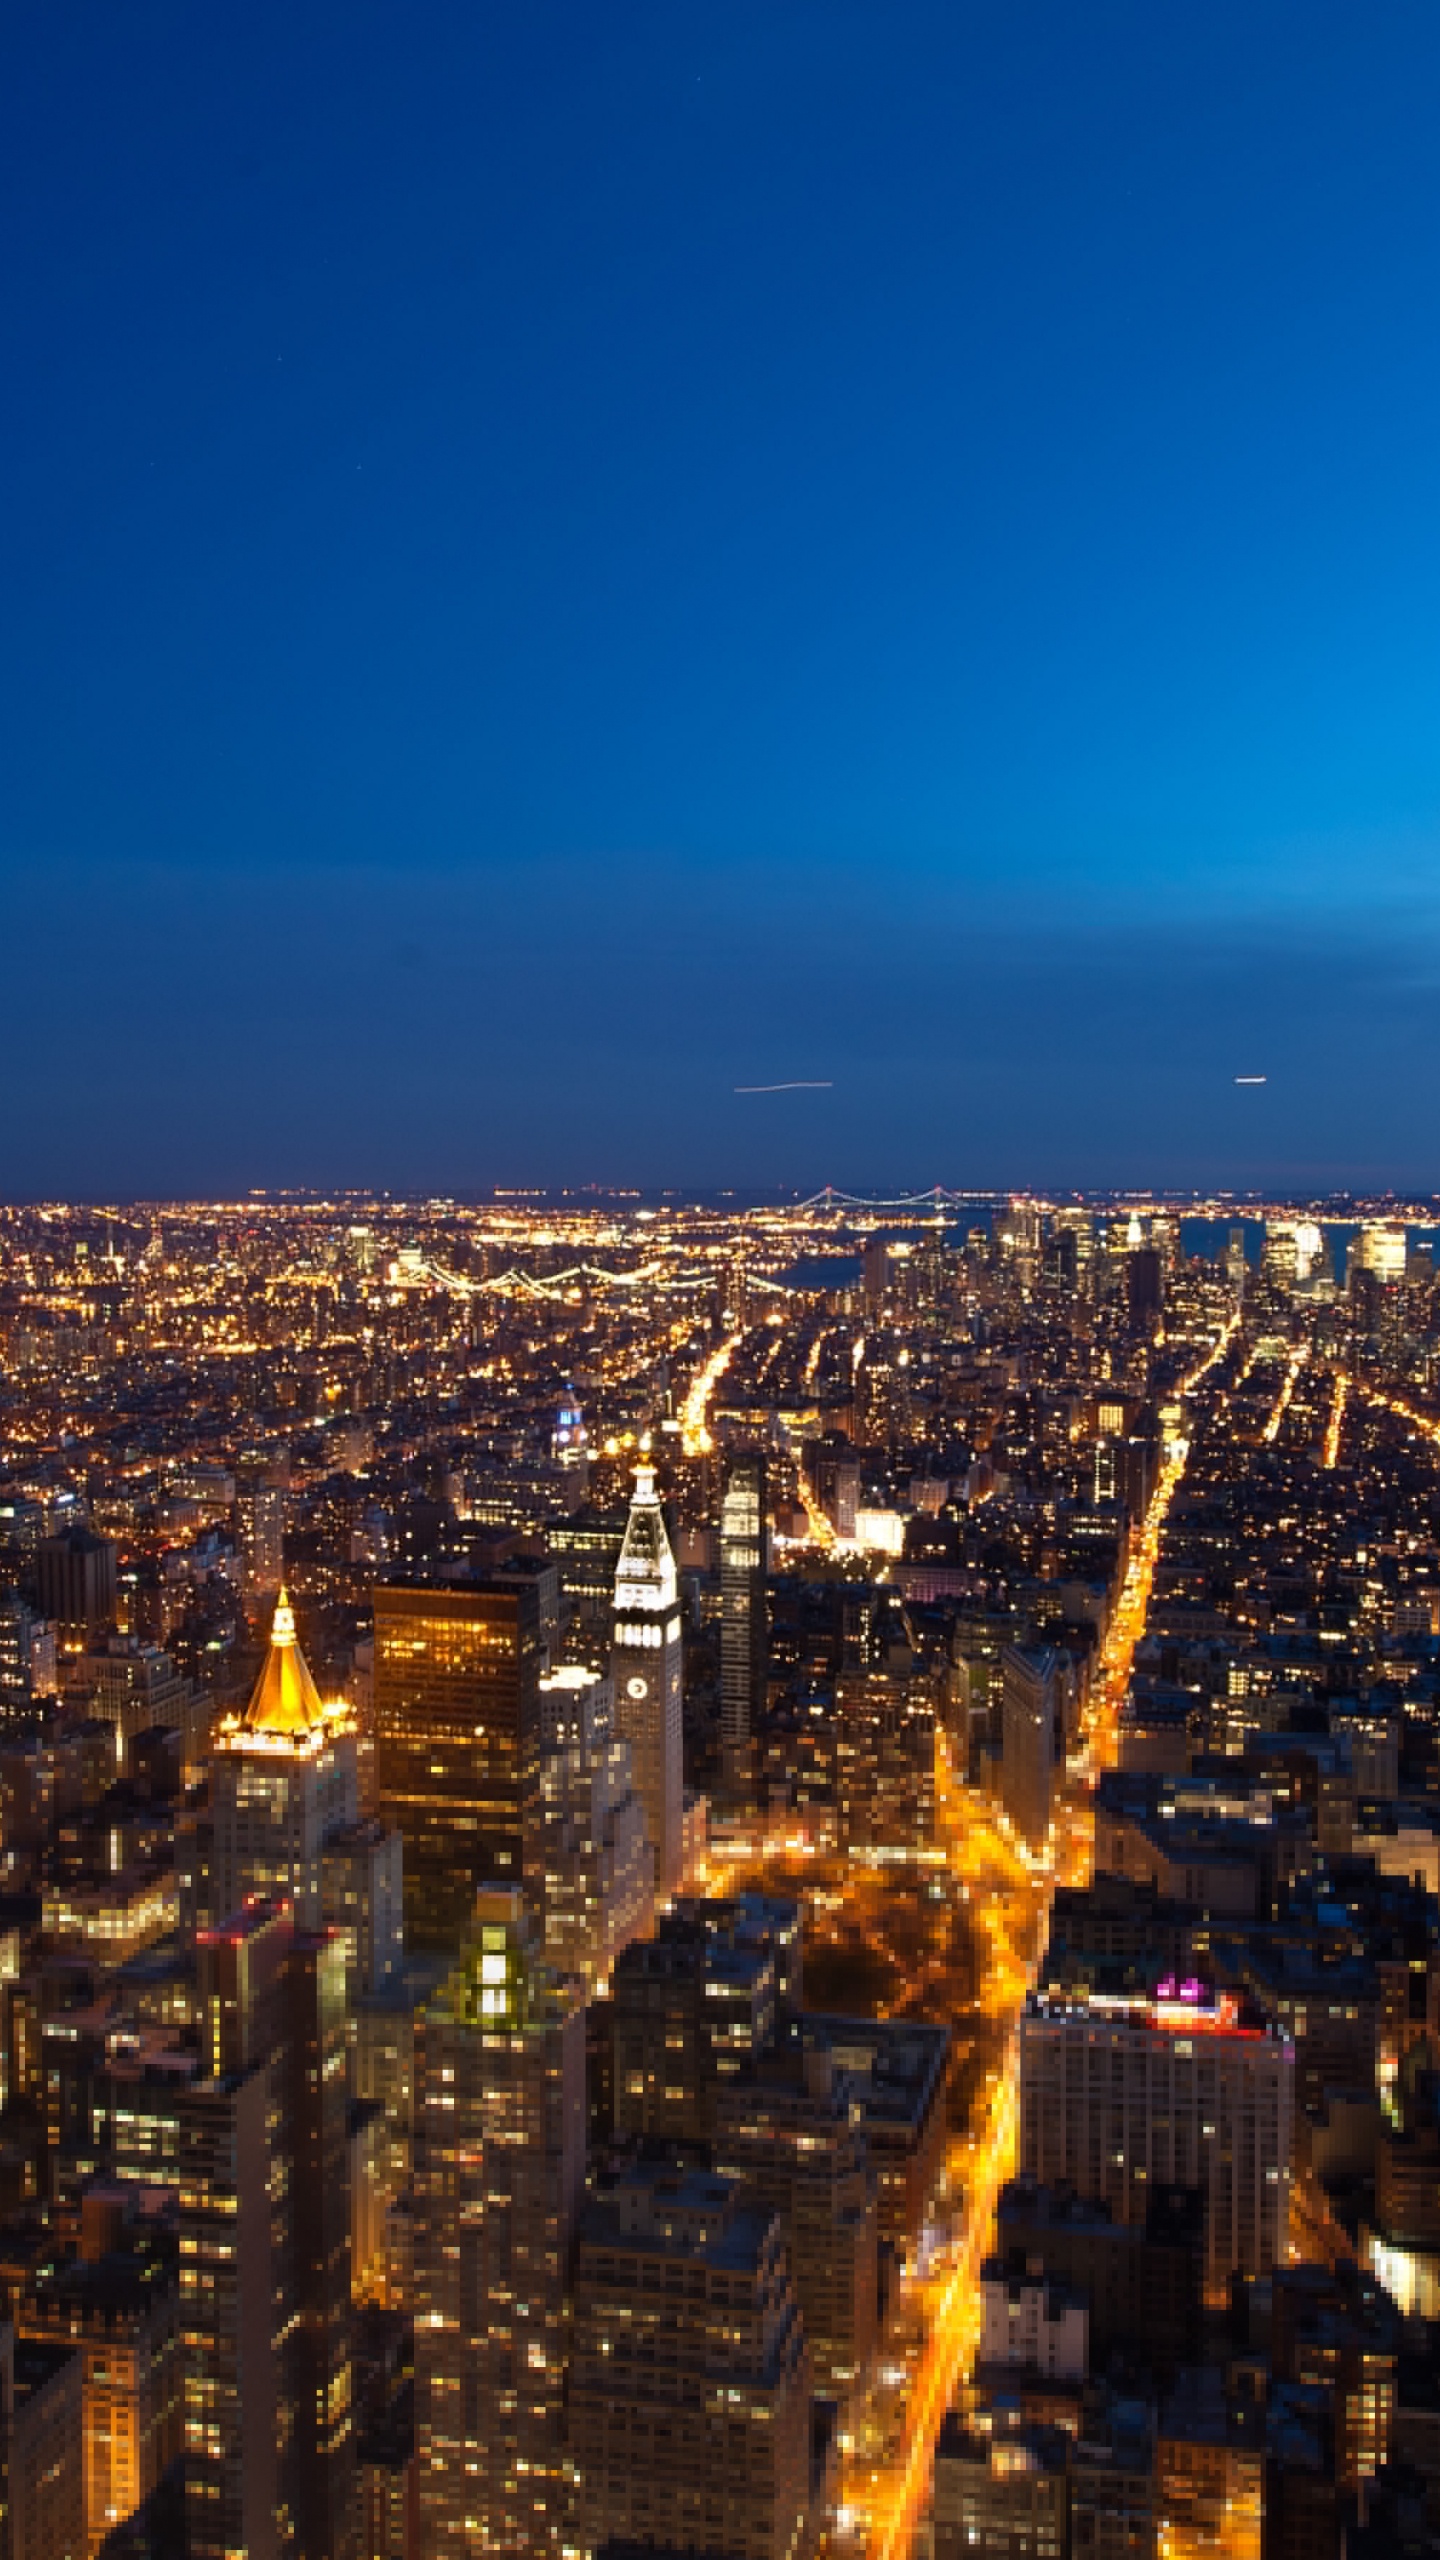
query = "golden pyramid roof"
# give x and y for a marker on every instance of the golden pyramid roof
(285, 1700)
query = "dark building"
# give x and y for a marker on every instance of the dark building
(457, 1742)
(1144, 1284)
(75, 1584)
(743, 1630)
(693, 2005)
(41, 2435)
(265, 2248)
(1144, 2281)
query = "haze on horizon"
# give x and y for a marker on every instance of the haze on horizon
(561, 563)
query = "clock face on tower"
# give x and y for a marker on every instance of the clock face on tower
(637, 1687)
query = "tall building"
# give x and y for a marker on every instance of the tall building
(647, 1667)
(570, 1451)
(457, 1743)
(599, 1868)
(1119, 2096)
(1144, 1284)
(690, 2386)
(1030, 1714)
(743, 1629)
(260, 1529)
(499, 2166)
(75, 1584)
(283, 1775)
(263, 2183)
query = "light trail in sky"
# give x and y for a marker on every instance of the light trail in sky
(798, 1084)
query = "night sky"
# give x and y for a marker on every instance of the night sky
(558, 559)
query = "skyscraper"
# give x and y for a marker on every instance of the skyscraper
(647, 1667)
(265, 2247)
(282, 1776)
(457, 1742)
(743, 1629)
(1030, 1713)
(499, 2166)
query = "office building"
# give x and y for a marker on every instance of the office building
(883, 1741)
(132, 1686)
(791, 2129)
(690, 2389)
(117, 2303)
(42, 2472)
(694, 2005)
(260, 1529)
(1031, 1743)
(75, 1585)
(597, 1862)
(743, 1627)
(264, 2208)
(647, 1669)
(1144, 1284)
(499, 2166)
(457, 1743)
(28, 1673)
(1001, 2490)
(283, 1776)
(1121, 2095)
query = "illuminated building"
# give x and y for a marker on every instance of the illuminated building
(598, 1866)
(693, 2005)
(896, 2071)
(115, 2303)
(690, 2389)
(647, 1669)
(570, 1451)
(1030, 1746)
(457, 1742)
(788, 2126)
(111, 1918)
(283, 1776)
(75, 1585)
(1337, 2330)
(265, 2248)
(363, 1898)
(1120, 2095)
(1381, 1247)
(27, 1659)
(134, 1687)
(260, 1527)
(884, 1754)
(743, 1630)
(1033, 2319)
(499, 2165)
(1004, 2491)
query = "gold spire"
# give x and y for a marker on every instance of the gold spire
(285, 1700)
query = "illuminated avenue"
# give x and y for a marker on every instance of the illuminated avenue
(654, 1765)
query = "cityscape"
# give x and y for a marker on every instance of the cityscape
(690, 1877)
(720, 1280)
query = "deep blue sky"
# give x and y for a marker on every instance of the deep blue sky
(557, 558)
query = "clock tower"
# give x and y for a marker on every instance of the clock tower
(646, 1665)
